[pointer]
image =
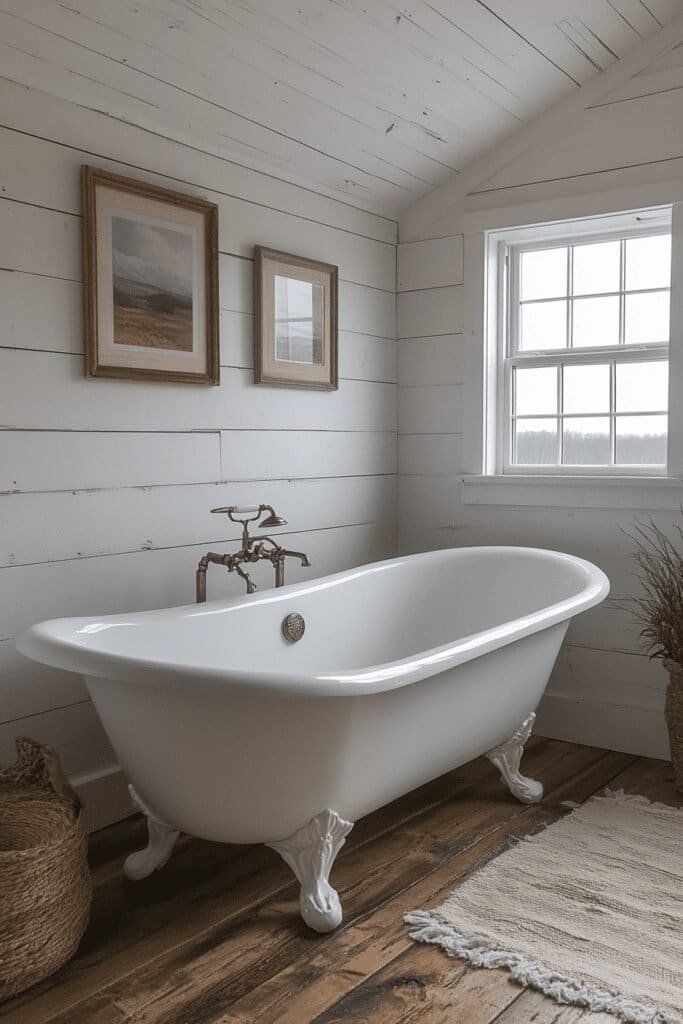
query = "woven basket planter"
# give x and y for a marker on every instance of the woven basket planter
(45, 887)
(673, 711)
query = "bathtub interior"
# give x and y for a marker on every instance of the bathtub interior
(376, 615)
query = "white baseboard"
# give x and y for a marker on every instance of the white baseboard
(612, 726)
(104, 795)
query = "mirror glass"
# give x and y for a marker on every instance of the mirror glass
(298, 320)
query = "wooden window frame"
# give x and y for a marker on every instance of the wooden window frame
(511, 357)
(484, 295)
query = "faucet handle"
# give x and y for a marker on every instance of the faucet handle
(273, 519)
(240, 510)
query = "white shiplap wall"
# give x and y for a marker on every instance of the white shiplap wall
(615, 146)
(372, 103)
(106, 485)
(430, 330)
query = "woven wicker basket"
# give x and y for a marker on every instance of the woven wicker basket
(45, 884)
(673, 711)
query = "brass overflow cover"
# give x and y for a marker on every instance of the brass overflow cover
(293, 627)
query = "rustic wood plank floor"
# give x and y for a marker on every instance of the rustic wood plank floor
(215, 937)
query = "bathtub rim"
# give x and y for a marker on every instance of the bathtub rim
(52, 642)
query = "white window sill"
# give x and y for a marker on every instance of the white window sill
(647, 493)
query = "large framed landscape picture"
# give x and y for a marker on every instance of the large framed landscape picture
(151, 281)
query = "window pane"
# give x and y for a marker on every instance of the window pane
(643, 387)
(544, 325)
(536, 391)
(648, 262)
(597, 268)
(543, 274)
(647, 318)
(586, 441)
(586, 388)
(596, 322)
(641, 440)
(536, 442)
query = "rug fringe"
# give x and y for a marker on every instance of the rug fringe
(430, 929)
(637, 800)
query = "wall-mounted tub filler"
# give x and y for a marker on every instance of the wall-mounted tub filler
(252, 550)
(408, 669)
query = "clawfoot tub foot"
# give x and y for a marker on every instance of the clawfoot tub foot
(161, 838)
(310, 853)
(506, 759)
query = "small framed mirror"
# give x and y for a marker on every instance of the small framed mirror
(295, 302)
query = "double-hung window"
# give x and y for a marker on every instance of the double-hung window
(584, 351)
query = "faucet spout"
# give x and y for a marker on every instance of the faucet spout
(278, 559)
(301, 555)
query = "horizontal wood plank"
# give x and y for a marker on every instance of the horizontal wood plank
(96, 134)
(277, 454)
(596, 142)
(532, 1005)
(430, 264)
(361, 356)
(430, 410)
(425, 361)
(141, 580)
(607, 628)
(47, 60)
(613, 677)
(105, 522)
(429, 312)
(27, 688)
(46, 242)
(73, 731)
(41, 313)
(429, 454)
(417, 982)
(62, 399)
(39, 241)
(59, 460)
(53, 182)
(635, 730)
(44, 314)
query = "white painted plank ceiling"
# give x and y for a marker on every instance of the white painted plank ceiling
(371, 101)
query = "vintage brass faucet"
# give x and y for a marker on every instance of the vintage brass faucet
(252, 550)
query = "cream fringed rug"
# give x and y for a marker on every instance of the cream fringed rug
(590, 911)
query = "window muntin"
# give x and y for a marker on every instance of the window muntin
(586, 362)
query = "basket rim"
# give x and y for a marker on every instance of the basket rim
(73, 832)
(36, 852)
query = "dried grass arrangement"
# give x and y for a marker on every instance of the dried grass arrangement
(659, 611)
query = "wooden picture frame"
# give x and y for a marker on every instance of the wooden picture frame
(298, 350)
(150, 265)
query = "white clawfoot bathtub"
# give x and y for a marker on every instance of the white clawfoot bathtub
(407, 669)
